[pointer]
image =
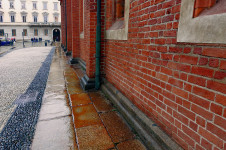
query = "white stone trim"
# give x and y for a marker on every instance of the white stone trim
(82, 35)
(203, 29)
(120, 34)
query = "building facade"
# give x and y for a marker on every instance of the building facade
(162, 61)
(34, 18)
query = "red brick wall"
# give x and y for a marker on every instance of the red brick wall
(83, 51)
(75, 29)
(90, 35)
(69, 29)
(81, 16)
(180, 86)
(62, 23)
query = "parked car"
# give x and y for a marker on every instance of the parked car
(6, 42)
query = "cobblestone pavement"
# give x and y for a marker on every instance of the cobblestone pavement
(19, 129)
(18, 69)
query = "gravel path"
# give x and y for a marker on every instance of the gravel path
(22, 82)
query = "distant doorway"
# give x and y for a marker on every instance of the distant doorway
(56, 35)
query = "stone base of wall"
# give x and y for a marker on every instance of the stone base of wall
(152, 136)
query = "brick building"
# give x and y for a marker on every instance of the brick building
(162, 62)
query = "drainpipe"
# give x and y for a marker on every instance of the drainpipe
(65, 23)
(98, 45)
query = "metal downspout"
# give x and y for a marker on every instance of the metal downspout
(66, 23)
(98, 45)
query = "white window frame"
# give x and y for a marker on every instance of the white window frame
(56, 19)
(24, 18)
(24, 30)
(45, 32)
(23, 4)
(11, 4)
(55, 4)
(45, 18)
(3, 32)
(1, 17)
(12, 18)
(34, 32)
(120, 34)
(34, 4)
(45, 4)
(12, 32)
(35, 18)
(202, 29)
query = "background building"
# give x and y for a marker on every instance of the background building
(36, 18)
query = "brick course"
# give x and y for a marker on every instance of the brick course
(181, 86)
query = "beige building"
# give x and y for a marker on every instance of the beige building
(34, 18)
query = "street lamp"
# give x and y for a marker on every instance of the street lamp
(23, 39)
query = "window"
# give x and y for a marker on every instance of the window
(118, 24)
(11, 4)
(55, 6)
(13, 32)
(197, 30)
(34, 5)
(35, 32)
(25, 32)
(35, 19)
(0, 4)
(1, 32)
(45, 5)
(46, 32)
(23, 5)
(45, 18)
(24, 18)
(12, 18)
(56, 19)
(119, 6)
(1, 18)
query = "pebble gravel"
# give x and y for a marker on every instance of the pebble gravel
(21, 94)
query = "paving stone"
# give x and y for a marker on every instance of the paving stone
(54, 134)
(131, 145)
(116, 127)
(55, 89)
(69, 72)
(94, 138)
(95, 95)
(102, 104)
(56, 82)
(71, 79)
(73, 88)
(53, 106)
(85, 115)
(53, 76)
(79, 99)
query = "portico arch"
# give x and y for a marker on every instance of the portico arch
(56, 34)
